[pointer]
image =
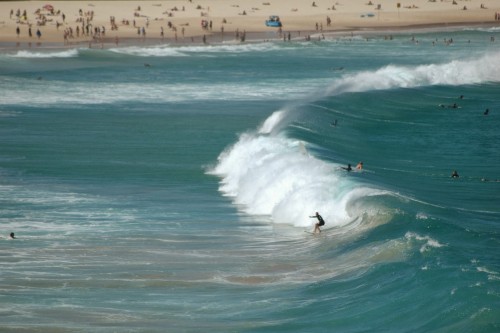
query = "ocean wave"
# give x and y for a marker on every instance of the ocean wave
(275, 175)
(46, 54)
(456, 72)
(153, 51)
(27, 92)
(267, 173)
(183, 51)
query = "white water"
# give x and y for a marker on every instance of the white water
(458, 72)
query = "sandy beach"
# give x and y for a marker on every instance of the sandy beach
(74, 22)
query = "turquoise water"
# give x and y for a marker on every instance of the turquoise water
(168, 188)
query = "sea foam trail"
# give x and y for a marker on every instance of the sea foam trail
(267, 173)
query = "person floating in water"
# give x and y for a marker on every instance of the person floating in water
(12, 236)
(451, 106)
(359, 166)
(349, 168)
(454, 174)
(486, 112)
(334, 124)
(320, 223)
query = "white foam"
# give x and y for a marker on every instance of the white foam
(457, 72)
(153, 51)
(271, 175)
(47, 54)
(426, 241)
(180, 51)
(27, 92)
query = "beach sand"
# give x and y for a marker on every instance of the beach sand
(181, 21)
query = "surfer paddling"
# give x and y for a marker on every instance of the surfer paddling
(348, 168)
(320, 223)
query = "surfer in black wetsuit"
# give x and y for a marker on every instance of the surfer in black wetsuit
(349, 168)
(320, 223)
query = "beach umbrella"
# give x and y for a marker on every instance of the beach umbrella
(48, 7)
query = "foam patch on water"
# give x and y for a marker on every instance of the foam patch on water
(46, 54)
(427, 243)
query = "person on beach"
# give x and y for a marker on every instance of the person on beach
(320, 223)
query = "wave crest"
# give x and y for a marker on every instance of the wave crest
(457, 72)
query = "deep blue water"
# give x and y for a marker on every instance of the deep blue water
(168, 188)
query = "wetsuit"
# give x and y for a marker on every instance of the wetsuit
(320, 219)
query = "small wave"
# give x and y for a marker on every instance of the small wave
(184, 51)
(154, 51)
(427, 241)
(46, 54)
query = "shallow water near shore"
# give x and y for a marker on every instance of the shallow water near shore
(168, 188)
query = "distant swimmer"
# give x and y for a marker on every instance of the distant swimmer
(451, 106)
(454, 174)
(320, 223)
(12, 236)
(359, 166)
(486, 112)
(334, 124)
(348, 168)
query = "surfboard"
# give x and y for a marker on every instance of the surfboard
(322, 231)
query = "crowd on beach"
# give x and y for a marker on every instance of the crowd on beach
(82, 27)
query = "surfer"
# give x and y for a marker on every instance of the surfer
(454, 174)
(320, 223)
(12, 236)
(349, 168)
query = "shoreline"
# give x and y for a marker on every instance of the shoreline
(217, 38)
